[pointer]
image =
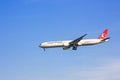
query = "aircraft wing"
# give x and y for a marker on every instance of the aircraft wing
(77, 40)
(74, 42)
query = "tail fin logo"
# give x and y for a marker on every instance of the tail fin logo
(103, 35)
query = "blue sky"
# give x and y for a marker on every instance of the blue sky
(24, 24)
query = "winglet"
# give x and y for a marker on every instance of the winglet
(103, 34)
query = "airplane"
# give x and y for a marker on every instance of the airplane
(77, 42)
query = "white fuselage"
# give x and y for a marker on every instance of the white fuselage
(84, 42)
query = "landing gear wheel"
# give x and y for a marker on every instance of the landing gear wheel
(74, 48)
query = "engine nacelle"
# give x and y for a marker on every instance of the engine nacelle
(66, 46)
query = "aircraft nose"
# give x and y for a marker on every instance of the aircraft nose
(41, 45)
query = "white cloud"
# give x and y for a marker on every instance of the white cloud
(108, 71)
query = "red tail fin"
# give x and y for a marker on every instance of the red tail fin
(103, 35)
